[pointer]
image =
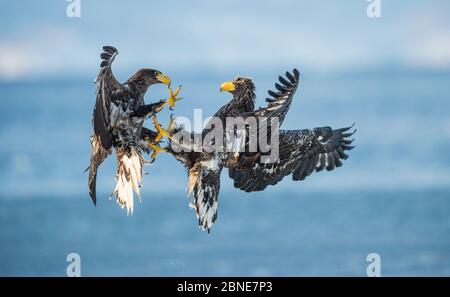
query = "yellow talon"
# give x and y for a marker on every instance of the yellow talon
(173, 97)
(161, 131)
(156, 149)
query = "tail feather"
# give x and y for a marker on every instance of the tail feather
(128, 178)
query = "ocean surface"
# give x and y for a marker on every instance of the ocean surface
(392, 197)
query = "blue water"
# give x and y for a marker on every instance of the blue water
(391, 197)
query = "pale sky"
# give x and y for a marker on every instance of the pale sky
(38, 39)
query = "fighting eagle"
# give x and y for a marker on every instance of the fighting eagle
(301, 152)
(118, 117)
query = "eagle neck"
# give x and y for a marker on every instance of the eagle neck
(137, 88)
(245, 101)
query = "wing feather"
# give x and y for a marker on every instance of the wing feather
(107, 90)
(280, 100)
(301, 153)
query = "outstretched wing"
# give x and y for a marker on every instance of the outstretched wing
(301, 152)
(279, 100)
(279, 103)
(108, 89)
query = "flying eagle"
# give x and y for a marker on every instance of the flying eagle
(301, 152)
(118, 117)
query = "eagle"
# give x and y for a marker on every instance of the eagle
(118, 117)
(301, 152)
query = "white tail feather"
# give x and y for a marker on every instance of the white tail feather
(128, 178)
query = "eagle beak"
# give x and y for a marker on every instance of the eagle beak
(227, 86)
(163, 79)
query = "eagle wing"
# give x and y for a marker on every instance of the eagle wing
(301, 152)
(108, 91)
(279, 100)
(278, 106)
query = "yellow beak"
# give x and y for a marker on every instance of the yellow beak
(163, 78)
(227, 86)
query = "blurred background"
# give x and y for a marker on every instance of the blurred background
(389, 75)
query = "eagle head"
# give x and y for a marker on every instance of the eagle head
(239, 86)
(148, 77)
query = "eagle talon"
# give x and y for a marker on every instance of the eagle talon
(161, 131)
(173, 97)
(155, 148)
